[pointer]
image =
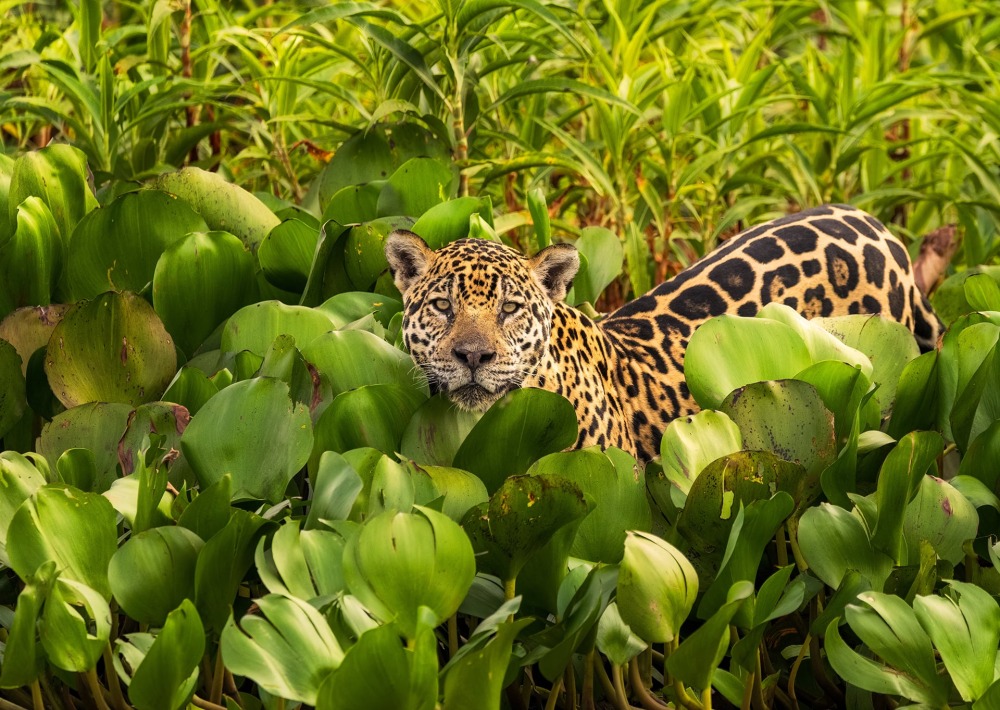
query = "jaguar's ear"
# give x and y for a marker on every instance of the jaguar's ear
(555, 267)
(408, 256)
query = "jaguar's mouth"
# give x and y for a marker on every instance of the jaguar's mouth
(474, 397)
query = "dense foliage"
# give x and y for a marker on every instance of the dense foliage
(225, 484)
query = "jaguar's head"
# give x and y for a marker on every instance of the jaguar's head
(476, 314)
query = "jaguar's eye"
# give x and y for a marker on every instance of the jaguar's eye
(442, 304)
(510, 307)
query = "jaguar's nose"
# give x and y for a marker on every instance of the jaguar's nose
(473, 356)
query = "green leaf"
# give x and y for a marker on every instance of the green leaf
(31, 260)
(76, 529)
(58, 175)
(521, 517)
(23, 658)
(18, 480)
(401, 562)
(153, 573)
(942, 516)
(560, 85)
(436, 431)
(209, 512)
(615, 638)
(472, 681)
(696, 659)
(346, 308)
(253, 431)
(117, 247)
(371, 416)
(364, 249)
(379, 672)
(98, 427)
(418, 185)
(75, 625)
(898, 482)
(657, 587)
(603, 256)
(224, 206)
(617, 486)
(255, 327)
(168, 674)
(690, 443)
(448, 221)
(516, 431)
(354, 358)
(286, 254)
(729, 352)
(199, 281)
(982, 292)
(834, 541)
(111, 349)
(963, 626)
(288, 651)
(221, 564)
(460, 490)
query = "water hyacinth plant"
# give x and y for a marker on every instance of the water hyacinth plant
(225, 484)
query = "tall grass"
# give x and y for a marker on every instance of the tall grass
(672, 123)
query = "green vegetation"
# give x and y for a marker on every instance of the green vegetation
(225, 485)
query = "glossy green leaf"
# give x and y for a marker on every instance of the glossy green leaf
(459, 490)
(198, 282)
(690, 443)
(401, 562)
(18, 480)
(58, 175)
(447, 222)
(695, 660)
(834, 541)
(471, 682)
(76, 529)
(12, 388)
(942, 516)
(124, 494)
(657, 587)
(98, 427)
(898, 483)
(364, 249)
(346, 308)
(964, 628)
(111, 349)
(223, 205)
(355, 358)
(253, 431)
(415, 187)
(521, 517)
(286, 254)
(29, 329)
(255, 327)
(209, 512)
(378, 671)
(516, 431)
(75, 625)
(618, 488)
(436, 432)
(116, 247)
(372, 416)
(31, 260)
(982, 293)
(603, 255)
(728, 352)
(168, 674)
(221, 565)
(23, 656)
(153, 572)
(354, 204)
(289, 650)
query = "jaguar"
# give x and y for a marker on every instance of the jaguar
(480, 319)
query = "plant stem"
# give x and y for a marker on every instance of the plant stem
(793, 541)
(758, 692)
(96, 689)
(8, 705)
(795, 670)
(782, 550)
(205, 704)
(668, 680)
(509, 586)
(569, 682)
(620, 698)
(602, 675)
(554, 694)
(114, 685)
(36, 695)
(706, 698)
(215, 695)
(646, 699)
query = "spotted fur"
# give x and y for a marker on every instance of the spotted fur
(480, 319)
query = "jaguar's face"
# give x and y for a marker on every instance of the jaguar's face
(476, 314)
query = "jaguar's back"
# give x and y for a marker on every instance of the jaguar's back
(480, 318)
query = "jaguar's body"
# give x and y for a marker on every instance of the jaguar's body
(480, 319)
